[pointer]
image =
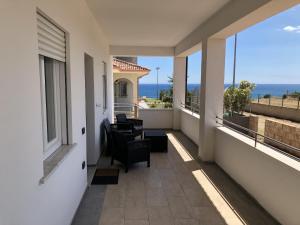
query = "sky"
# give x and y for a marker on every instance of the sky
(267, 53)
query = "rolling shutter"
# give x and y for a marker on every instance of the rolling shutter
(51, 39)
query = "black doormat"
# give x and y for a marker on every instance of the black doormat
(106, 176)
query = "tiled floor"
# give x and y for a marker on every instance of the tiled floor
(175, 190)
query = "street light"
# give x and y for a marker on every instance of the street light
(157, 69)
(234, 60)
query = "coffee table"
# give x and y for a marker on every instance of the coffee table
(159, 140)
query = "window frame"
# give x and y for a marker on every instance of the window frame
(60, 97)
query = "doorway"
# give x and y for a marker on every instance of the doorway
(90, 110)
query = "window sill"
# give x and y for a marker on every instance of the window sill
(54, 160)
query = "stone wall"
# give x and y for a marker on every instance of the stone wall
(274, 111)
(288, 133)
(253, 123)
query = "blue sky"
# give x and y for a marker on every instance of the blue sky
(268, 52)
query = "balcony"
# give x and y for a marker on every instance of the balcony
(177, 189)
(57, 87)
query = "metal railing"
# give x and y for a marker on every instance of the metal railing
(284, 101)
(256, 137)
(192, 103)
(130, 109)
(193, 107)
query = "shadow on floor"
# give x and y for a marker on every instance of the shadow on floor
(246, 207)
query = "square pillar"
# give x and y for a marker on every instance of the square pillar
(179, 79)
(211, 95)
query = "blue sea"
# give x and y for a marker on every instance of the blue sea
(150, 90)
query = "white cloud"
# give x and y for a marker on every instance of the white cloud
(292, 29)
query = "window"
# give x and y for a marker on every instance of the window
(121, 88)
(104, 80)
(53, 90)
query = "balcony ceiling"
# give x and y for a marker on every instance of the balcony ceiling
(151, 22)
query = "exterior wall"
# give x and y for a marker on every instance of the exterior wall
(284, 132)
(157, 118)
(275, 111)
(23, 200)
(132, 89)
(189, 125)
(270, 177)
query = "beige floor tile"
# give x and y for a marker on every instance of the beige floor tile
(196, 197)
(186, 222)
(172, 189)
(137, 190)
(136, 222)
(153, 181)
(135, 201)
(112, 216)
(165, 221)
(179, 207)
(137, 213)
(156, 197)
(114, 198)
(207, 216)
(159, 213)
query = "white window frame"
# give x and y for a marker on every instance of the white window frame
(60, 107)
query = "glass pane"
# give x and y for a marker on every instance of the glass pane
(50, 99)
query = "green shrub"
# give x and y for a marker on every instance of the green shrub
(236, 99)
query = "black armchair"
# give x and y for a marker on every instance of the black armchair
(135, 125)
(128, 151)
(108, 127)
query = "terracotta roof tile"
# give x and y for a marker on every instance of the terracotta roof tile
(127, 66)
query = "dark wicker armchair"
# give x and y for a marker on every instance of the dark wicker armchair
(109, 127)
(128, 151)
(135, 125)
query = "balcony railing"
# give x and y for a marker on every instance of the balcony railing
(130, 109)
(285, 149)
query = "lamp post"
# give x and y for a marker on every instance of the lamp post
(157, 69)
(234, 60)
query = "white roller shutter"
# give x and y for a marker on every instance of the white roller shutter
(51, 39)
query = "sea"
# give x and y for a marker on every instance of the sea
(150, 90)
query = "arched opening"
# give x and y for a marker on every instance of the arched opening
(123, 91)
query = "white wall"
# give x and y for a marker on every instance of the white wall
(156, 118)
(270, 177)
(189, 125)
(23, 200)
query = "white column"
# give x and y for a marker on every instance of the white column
(212, 91)
(179, 78)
